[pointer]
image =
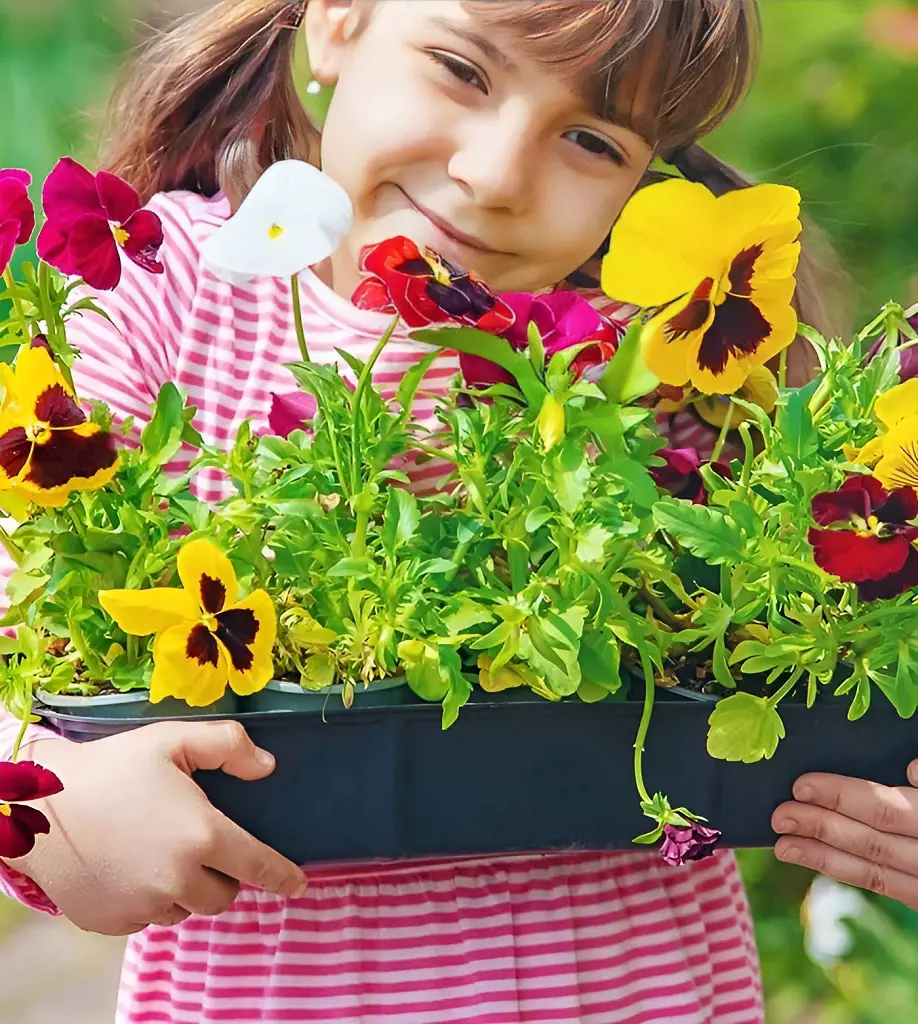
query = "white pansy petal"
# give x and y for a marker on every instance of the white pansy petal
(294, 217)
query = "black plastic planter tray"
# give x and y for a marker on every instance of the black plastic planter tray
(369, 783)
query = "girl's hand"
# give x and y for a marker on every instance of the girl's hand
(856, 831)
(135, 842)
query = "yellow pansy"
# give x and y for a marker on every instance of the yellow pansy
(717, 274)
(205, 639)
(47, 447)
(894, 452)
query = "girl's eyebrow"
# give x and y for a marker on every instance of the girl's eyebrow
(485, 45)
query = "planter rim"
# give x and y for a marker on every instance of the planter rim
(72, 700)
(286, 686)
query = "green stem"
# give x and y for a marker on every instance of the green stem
(17, 303)
(782, 368)
(362, 384)
(359, 546)
(748, 457)
(776, 698)
(722, 436)
(51, 319)
(20, 736)
(11, 547)
(649, 691)
(298, 317)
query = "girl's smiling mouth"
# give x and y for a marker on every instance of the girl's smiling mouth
(452, 234)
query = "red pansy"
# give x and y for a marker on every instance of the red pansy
(423, 288)
(19, 825)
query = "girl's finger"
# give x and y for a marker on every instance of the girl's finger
(886, 809)
(210, 894)
(175, 915)
(845, 867)
(849, 836)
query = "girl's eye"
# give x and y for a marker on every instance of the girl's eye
(596, 145)
(467, 73)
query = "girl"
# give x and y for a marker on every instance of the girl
(507, 136)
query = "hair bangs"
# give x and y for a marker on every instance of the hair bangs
(670, 70)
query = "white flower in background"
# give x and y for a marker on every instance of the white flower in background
(294, 217)
(824, 910)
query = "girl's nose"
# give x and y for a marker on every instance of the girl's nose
(496, 163)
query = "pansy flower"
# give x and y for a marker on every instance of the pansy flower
(717, 274)
(47, 446)
(293, 218)
(91, 219)
(686, 843)
(19, 824)
(681, 475)
(866, 536)
(423, 288)
(17, 215)
(563, 319)
(894, 452)
(290, 411)
(206, 640)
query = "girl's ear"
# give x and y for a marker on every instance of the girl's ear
(330, 25)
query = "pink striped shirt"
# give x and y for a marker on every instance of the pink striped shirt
(577, 936)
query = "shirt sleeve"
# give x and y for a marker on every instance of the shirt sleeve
(13, 883)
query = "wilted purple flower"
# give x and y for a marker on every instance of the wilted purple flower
(908, 357)
(681, 475)
(689, 843)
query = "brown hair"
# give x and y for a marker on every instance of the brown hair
(212, 103)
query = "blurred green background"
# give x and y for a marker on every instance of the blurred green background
(832, 113)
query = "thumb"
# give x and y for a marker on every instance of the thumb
(223, 746)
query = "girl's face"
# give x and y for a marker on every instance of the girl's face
(451, 136)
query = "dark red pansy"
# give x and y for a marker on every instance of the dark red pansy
(425, 289)
(868, 536)
(19, 825)
(90, 217)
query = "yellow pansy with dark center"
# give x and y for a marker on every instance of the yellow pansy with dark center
(47, 446)
(205, 639)
(716, 274)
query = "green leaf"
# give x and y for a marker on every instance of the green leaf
(570, 473)
(591, 544)
(486, 346)
(434, 566)
(411, 381)
(401, 519)
(536, 348)
(537, 518)
(21, 585)
(706, 532)
(794, 422)
(901, 689)
(627, 377)
(744, 728)
(458, 696)
(642, 491)
(162, 436)
(357, 568)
